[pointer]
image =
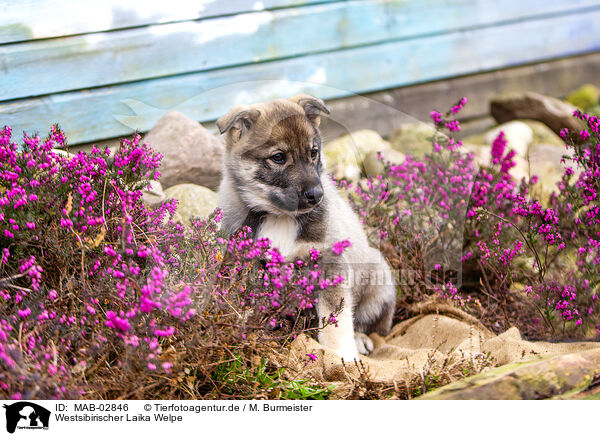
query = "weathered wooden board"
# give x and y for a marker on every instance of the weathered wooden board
(378, 110)
(86, 61)
(22, 20)
(103, 112)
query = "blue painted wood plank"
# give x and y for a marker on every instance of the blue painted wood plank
(118, 110)
(64, 64)
(22, 20)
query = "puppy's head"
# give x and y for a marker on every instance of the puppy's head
(273, 154)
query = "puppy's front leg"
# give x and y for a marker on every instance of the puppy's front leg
(338, 338)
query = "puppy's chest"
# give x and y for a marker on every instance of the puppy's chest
(283, 233)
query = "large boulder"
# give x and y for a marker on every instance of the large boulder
(63, 153)
(482, 154)
(559, 376)
(518, 136)
(345, 155)
(194, 201)
(373, 166)
(542, 134)
(545, 161)
(153, 195)
(412, 138)
(554, 113)
(191, 154)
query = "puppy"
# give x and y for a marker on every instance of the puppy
(274, 181)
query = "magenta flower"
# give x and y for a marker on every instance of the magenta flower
(339, 247)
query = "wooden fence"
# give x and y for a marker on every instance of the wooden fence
(104, 68)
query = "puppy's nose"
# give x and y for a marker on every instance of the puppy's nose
(313, 195)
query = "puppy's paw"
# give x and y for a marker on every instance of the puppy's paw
(364, 344)
(348, 355)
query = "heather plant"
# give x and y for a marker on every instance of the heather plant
(547, 252)
(523, 264)
(99, 291)
(103, 297)
(417, 210)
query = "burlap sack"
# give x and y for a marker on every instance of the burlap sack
(440, 332)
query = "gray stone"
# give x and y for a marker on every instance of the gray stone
(153, 195)
(518, 136)
(542, 134)
(545, 162)
(372, 166)
(560, 376)
(194, 201)
(191, 154)
(344, 156)
(413, 139)
(63, 153)
(482, 154)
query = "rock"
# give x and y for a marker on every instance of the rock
(554, 113)
(556, 376)
(585, 97)
(62, 152)
(373, 166)
(545, 162)
(194, 201)
(344, 155)
(413, 139)
(478, 139)
(539, 151)
(521, 169)
(191, 154)
(542, 134)
(154, 195)
(482, 154)
(518, 136)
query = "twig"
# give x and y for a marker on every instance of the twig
(538, 260)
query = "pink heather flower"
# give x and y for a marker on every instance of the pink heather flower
(498, 147)
(436, 117)
(564, 133)
(584, 134)
(311, 356)
(458, 106)
(452, 125)
(339, 247)
(166, 332)
(115, 322)
(24, 313)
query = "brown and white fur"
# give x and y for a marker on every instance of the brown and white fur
(274, 181)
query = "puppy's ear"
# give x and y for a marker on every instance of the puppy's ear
(313, 107)
(239, 120)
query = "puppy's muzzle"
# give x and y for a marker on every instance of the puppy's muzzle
(313, 195)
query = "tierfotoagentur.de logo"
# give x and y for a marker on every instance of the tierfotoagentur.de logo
(24, 415)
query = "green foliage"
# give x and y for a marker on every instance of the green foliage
(265, 380)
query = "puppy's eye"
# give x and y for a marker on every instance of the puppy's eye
(314, 153)
(278, 158)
